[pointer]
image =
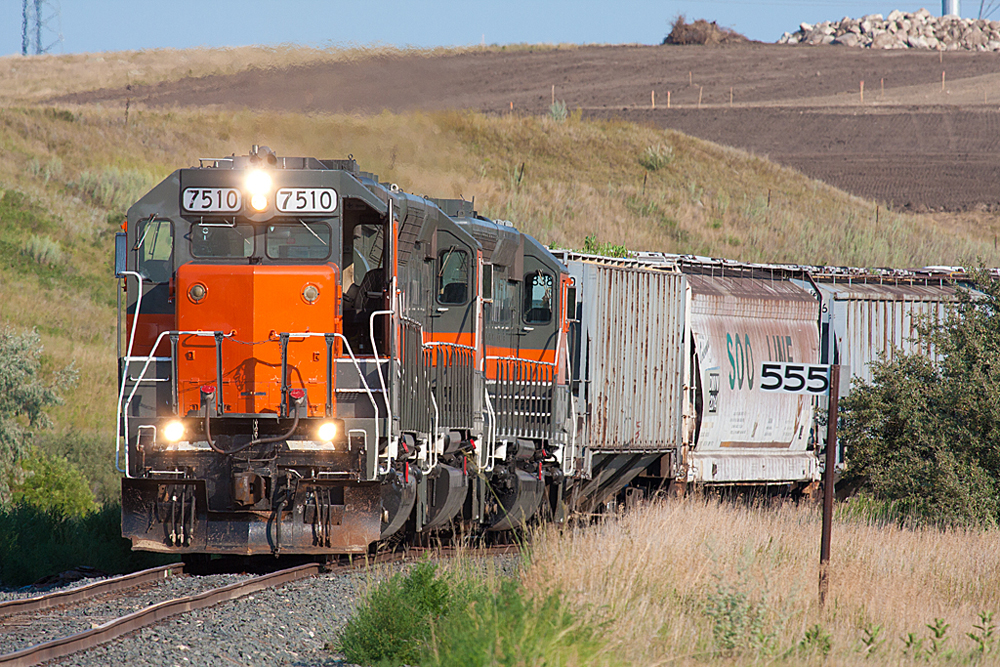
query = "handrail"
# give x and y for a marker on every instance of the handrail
(523, 360)
(441, 343)
(381, 379)
(361, 376)
(123, 409)
(572, 433)
(490, 450)
(121, 391)
(432, 450)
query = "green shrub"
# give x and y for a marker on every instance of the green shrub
(506, 627)
(50, 170)
(656, 157)
(23, 397)
(92, 453)
(53, 484)
(739, 623)
(392, 626)
(35, 543)
(43, 250)
(558, 111)
(920, 439)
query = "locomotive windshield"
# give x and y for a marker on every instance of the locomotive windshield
(155, 246)
(221, 241)
(298, 240)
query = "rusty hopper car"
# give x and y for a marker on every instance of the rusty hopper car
(311, 360)
(740, 434)
(666, 353)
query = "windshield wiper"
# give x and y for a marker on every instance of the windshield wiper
(308, 229)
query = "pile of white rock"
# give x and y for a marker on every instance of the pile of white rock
(900, 30)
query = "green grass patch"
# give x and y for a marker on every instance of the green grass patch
(35, 543)
(27, 248)
(428, 617)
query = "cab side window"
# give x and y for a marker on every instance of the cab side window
(155, 247)
(453, 277)
(538, 298)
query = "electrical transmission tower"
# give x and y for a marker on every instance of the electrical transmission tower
(41, 26)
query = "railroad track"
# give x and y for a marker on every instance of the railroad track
(121, 625)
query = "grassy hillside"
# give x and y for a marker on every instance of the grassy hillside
(67, 176)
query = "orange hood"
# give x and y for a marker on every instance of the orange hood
(252, 305)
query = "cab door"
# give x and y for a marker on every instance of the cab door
(453, 322)
(453, 312)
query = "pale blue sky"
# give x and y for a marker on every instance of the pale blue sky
(111, 25)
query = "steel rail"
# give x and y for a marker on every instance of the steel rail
(65, 646)
(81, 593)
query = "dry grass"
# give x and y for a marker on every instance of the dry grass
(650, 574)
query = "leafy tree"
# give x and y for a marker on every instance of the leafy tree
(53, 484)
(23, 397)
(925, 434)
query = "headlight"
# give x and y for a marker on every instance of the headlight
(258, 202)
(327, 431)
(173, 431)
(259, 186)
(258, 181)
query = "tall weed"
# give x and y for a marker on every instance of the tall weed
(739, 623)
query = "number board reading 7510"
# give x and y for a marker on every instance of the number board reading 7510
(306, 200)
(795, 378)
(212, 200)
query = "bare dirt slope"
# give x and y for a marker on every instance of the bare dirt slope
(914, 141)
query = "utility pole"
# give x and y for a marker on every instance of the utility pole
(39, 17)
(24, 27)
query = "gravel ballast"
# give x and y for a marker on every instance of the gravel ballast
(289, 625)
(21, 631)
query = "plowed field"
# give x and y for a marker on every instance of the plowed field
(924, 136)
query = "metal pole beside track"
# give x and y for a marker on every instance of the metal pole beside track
(828, 482)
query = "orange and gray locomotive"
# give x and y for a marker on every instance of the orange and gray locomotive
(313, 360)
